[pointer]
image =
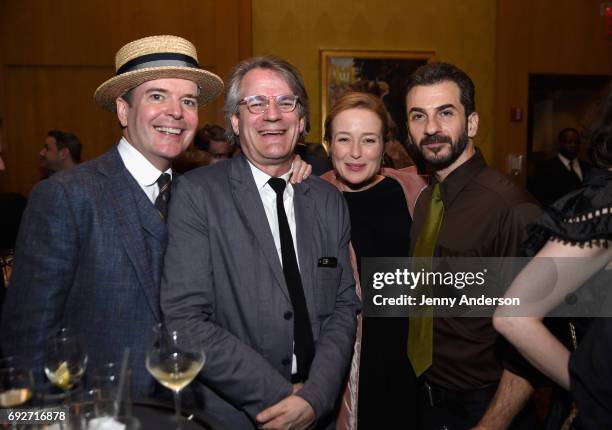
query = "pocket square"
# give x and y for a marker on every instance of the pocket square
(328, 262)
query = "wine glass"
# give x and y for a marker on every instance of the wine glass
(174, 359)
(16, 382)
(65, 359)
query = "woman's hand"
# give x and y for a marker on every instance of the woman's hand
(301, 170)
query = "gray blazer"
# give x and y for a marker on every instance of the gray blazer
(223, 278)
(89, 256)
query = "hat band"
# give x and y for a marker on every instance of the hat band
(162, 59)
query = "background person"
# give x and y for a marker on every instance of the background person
(380, 202)
(211, 138)
(562, 174)
(190, 159)
(61, 151)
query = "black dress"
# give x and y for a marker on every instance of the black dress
(582, 218)
(380, 227)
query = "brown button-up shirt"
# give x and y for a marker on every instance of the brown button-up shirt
(485, 215)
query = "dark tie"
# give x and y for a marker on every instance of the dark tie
(420, 333)
(302, 332)
(574, 169)
(161, 202)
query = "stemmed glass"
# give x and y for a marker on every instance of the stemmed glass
(16, 382)
(174, 359)
(65, 359)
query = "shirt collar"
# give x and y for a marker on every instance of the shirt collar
(456, 180)
(145, 173)
(566, 161)
(262, 178)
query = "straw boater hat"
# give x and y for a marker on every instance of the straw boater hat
(152, 58)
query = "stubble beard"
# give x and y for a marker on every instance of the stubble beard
(437, 161)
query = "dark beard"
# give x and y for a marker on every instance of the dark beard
(457, 148)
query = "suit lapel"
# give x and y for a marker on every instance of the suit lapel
(128, 195)
(251, 209)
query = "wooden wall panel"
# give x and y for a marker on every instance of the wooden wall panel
(54, 53)
(512, 79)
(537, 36)
(90, 32)
(568, 38)
(53, 97)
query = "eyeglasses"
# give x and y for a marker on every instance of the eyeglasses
(260, 104)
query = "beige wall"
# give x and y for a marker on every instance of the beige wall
(460, 32)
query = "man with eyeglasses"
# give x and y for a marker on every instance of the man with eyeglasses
(264, 281)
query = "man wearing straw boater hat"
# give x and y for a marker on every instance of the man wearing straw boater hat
(89, 253)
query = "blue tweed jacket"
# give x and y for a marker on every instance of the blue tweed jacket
(89, 256)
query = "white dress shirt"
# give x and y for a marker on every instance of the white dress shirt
(268, 198)
(576, 164)
(145, 173)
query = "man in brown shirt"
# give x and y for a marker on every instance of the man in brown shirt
(485, 215)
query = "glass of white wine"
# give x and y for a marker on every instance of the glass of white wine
(65, 359)
(16, 382)
(174, 359)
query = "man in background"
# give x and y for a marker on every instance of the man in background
(211, 138)
(61, 151)
(564, 173)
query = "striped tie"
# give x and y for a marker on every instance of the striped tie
(161, 203)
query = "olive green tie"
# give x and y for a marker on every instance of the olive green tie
(420, 334)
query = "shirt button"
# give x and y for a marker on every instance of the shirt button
(286, 361)
(288, 315)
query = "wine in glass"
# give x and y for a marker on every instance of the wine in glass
(16, 382)
(174, 359)
(65, 359)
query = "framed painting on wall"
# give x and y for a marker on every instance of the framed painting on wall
(383, 73)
